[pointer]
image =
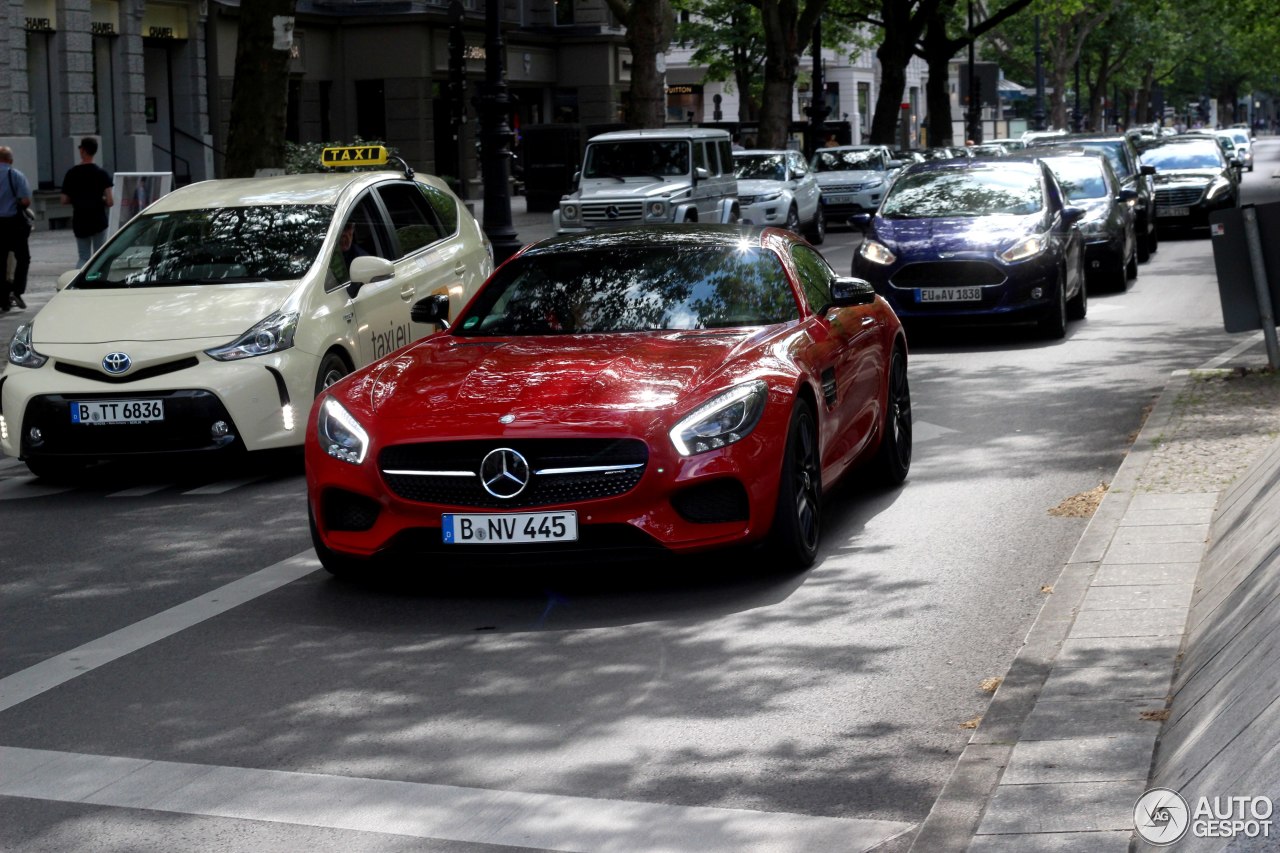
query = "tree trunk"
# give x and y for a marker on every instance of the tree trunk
(648, 36)
(938, 50)
(893, 80)
(1143, 111)
(781, 64)
(747, 108)
(260, 93)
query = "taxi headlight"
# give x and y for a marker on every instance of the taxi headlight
(21, 352)
(655, 210)
(569, 212)
(340, 434)
(273, 334)
(721, 421)
(876, 252)
(1027, 247)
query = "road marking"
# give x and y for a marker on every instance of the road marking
(422, 810)
(20, 488)
(1231, 353)
(922, 431)
(223, 486)
(138, 491)
(57, 670)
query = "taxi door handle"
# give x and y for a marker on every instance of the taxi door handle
(406, 293)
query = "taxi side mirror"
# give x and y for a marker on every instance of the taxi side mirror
(431, 309)
(367, 269)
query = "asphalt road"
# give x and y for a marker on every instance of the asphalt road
(173, 677)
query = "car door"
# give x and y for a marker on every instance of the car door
(806, 187)
(375, 311)
(850, 363)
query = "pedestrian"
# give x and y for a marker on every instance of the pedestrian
(87, 188)
(15, 228)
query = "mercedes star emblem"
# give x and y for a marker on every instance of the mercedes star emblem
(504, 473)
(116, 362)
(612, 211)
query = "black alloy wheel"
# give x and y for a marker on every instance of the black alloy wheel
(797, 521)
(1054, 324)
(893, 459)
(1078, 307)
(793, 220)
(1146, 243)
(816, 233)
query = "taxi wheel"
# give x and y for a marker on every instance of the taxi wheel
(797, 521)
(338, 565)
(332, 368)
(893, 460)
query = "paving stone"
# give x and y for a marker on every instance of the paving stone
(1107, 683)
(1179, 515)
(1127, 652)
(1129, 574)
(1154, 552)
(1184, 500)
(1161, 533)
(1158, 597)
(1164, 622)
(1062, 807)
(1064, 719)
(1100, 758)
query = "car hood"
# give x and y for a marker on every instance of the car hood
(451, 385)
(76, 316)
(638, 188)
(759, 186)
(860, 176)
(1199, 177)
(959, 235)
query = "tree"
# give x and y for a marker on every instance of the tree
(787, 29)
(260, 90)
(649, 24)
(729, 40)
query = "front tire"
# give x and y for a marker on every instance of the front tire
(1078, 307)
(332, 368)
(797, 521)
(1054, 324)
(793, 220)
(816, 233)
(893, 459)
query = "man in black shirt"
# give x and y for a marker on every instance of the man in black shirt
(87, 188)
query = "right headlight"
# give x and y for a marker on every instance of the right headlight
(1027, 247)
(656, 210)
(21, 352)
(1218, 187)
(569, 213)
(876, 252)
(340, 433)
(272, 334)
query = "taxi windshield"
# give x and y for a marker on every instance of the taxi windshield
(225, 246)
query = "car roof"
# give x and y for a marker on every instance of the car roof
(313, 188)
(662, 133)
(685, 236)
(977, 164)
(763, 151)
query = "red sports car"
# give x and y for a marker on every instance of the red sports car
(661, 389)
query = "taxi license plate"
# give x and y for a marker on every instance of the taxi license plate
(837, 199)
(950, 294)
(117, 412)
(506, 528)
(1173, 211)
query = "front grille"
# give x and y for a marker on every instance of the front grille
(627, 211)
(542, 454)
(345, 510)
(844, 188)
(1179, 196)
(144, 373)
(712, 503)
(948, 274)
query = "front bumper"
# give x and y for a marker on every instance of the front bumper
(257, 401)
(1008, 292)
(766, 212)
(1192, 215)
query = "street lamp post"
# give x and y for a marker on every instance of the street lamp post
(974, 124)
(1038, 115)
(494, 106)
(457, 87)
(818, 108)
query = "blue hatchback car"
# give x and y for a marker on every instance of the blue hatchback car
(974, 241)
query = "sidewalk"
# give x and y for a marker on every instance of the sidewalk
(1066, 746)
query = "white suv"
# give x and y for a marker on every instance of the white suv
(777, 188)
(633, 177)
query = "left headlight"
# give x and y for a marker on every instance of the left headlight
(721, 421)
(273, 334)
(770, 196)
(655, 210)
(876, 252)
(21, 352)
(1027, 247)
(340, 433)
(1218, 187)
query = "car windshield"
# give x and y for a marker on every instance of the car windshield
(217, 246)
(1183, 156)
(848, 161)
(964, 192)
(760, 167)
(640, 158)
(1080, 177)
(632, 290)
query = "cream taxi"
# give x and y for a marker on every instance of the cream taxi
(212, 319)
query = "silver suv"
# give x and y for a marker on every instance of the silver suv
(633, 177)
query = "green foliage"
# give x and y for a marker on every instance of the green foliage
(301, 158)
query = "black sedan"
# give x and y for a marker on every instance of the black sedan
(1193, 179)
(973, 240)
(1110, 243)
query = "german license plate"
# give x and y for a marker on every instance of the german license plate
(117, 412)
(506, 528)
(950, 294)
(1173, 211)
(837, 199)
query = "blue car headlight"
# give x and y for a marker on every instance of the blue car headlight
(1027, 247)
(876, 252)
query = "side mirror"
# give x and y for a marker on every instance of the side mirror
(701, 173)
(846, 291)
(577, 176)
(1072, 215)
(432, 309)
(366, 269)
(66, 278)
(1147, 170)
(1127, 195)
(860, 221)
(897, 164)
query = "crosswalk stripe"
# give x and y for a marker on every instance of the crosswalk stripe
(223, 486)
(138, 491)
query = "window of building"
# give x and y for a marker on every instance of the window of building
(371, 110)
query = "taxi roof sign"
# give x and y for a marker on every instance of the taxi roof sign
(354, 155)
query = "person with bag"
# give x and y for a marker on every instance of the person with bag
(15, 227)
(87, 188)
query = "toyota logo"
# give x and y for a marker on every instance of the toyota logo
(504, 473)
(612, 211)
(116, 362)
